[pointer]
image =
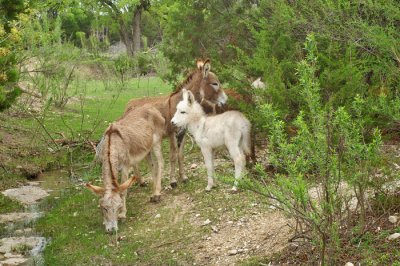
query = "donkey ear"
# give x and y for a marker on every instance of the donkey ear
(185, 94)
(96, 189)
(206, 68)
(199, 63)
(190, 97)
(127, 183)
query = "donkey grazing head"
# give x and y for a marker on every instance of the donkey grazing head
(111, 202)
(187, 110)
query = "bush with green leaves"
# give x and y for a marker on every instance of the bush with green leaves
(54, 61)
(10, 45)
(328, 155)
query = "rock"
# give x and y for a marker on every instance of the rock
(193, 166)
(214, 228)
(393, 219)
(26, 194)
(207, 222)
(13, 261)
(394, 236)
(15, 217)
(34, 183)
(232, 252)
(157, 216)
(35, 244)
(349, 264)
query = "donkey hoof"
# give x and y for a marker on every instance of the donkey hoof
(174, 184)
(155, 198)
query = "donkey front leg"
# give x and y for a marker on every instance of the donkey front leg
(181, 148)
(157, 172)
(124, 177)
(209, 161)
(173, 150)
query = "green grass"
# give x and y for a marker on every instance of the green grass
(73, 221)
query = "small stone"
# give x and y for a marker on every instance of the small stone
(349, 264)
(393, 236)
(232, 252)
(214, 228)
(207, 222)
(197, 215)
(193, 166)
(14, 261)
(172, 251)
(393, 219)
(230, 222)
(75, 214)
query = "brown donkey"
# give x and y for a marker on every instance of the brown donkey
(207, 90)
(126, 142)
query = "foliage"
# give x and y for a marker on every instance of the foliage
(54, 62)
(10, 37)
(328, 156)
(358, 47)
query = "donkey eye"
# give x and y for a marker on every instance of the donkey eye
(214, 84)
(183, 112)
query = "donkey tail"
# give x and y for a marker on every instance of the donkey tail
(246, 139)
(248, 143)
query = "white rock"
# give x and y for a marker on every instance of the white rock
(193, 166)
(393, 236)
(19, 217)
(13, 261)
(26, 194)
(258, 84)
(157, 216)
(393, 219)
(232, 252)
(214, 228)
(207, 222)
(349, 264)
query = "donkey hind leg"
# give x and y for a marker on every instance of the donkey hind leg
(124, 177)
(239, 160)
(209, 162)
(173, 150)
(181, 148)
(157, 172)
(136, 172)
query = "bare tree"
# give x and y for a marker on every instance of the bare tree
(128, 18)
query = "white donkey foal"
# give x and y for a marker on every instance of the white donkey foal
(231, 129)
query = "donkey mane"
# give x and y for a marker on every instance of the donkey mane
(110, 131)
(183, 83)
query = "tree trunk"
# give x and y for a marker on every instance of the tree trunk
(136, 30)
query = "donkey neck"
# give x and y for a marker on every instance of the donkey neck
(197, 122)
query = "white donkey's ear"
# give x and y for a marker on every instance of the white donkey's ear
(185, 94)
(206, 68)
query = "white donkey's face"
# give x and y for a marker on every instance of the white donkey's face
(184, 109)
